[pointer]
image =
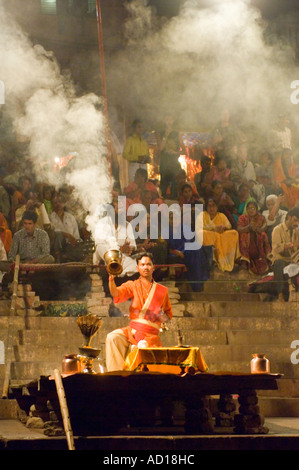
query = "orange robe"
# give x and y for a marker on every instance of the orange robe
(291, 193)
(144, 311)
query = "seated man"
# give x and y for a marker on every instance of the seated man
(148, 300)
(33, 204)
(68, 241)
(31, 243)
(285, 250)
(274, 215)
(134, 190)
(117, 234)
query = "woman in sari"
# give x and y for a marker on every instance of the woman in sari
(217, 231)
(285, 176)
(243, 198)
(188, 196)
(254, 243)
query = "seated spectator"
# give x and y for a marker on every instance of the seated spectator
(157, 247)
(147, 200)
(243, 197)
(265, 175)
(187, 195)
(133, 190)
(16, 197)
(68, 241)
(285, 176)
(25, 184)
(242, 171)
(198, 262)
(47, 195)
(222, 173)
(5, 233)
(111, 234)
(31, 243)
(223, 200)
(176, 185)
(203, 180)
(5, 204)
(285, 250)
(217, 231)
(254, 244)
(33, 204)
(273, 214)
(73, 205)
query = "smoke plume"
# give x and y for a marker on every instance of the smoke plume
(46, 112)
(213, 55)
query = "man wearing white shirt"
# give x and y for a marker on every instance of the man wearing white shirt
(65, 224)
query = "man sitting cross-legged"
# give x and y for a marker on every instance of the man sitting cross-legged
(150, 307)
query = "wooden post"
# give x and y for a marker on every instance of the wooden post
(64, 410)
(10, 331)
(104, 90)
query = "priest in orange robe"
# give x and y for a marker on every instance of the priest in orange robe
(150, 307)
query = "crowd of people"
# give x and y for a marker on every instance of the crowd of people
(250, 209)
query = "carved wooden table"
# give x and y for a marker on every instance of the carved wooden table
(114, 403)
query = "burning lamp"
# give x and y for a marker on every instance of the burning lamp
(89, 325)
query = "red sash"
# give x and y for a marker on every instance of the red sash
(149, 322)
(153, 304)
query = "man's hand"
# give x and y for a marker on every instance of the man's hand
(112, 286)
(71, 239)
(126, 249)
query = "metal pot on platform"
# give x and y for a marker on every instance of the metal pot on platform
(71, 364)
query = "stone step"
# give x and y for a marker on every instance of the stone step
(183, 323)
(190, 336)
(221, 297)
(240, 309)
(221, 359)
(238, 352)
(279, 406)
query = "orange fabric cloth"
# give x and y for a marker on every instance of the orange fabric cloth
(291, 192)
(145, 319)
(5, 233)
(166, 360)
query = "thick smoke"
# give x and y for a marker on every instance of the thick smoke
(46, 112)
(213, 55)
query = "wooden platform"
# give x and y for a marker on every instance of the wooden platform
(126, 402)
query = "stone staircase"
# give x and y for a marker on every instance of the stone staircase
(226, 322)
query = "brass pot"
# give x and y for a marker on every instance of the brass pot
(260, 364)
(71, 364)
(113, 262)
